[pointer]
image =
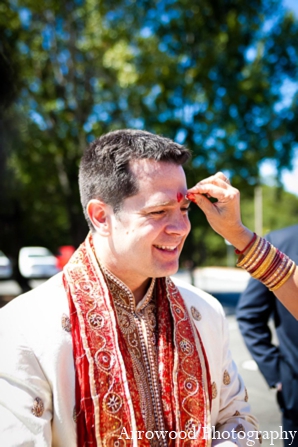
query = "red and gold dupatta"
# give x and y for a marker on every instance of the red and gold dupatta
(107, 402)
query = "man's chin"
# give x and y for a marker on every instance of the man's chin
(169, 271)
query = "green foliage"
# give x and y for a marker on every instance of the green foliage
(209, 75)
(280, 210)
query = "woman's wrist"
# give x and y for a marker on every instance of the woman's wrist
(241, 239)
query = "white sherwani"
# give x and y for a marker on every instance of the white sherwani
(37, 377)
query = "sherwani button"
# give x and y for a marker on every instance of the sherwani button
(38, 407)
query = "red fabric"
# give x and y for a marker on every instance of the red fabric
(107, 400)
(84, 404)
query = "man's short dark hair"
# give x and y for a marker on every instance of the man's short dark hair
(104, 170)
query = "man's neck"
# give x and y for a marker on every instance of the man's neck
(138, 288)
(140, 291)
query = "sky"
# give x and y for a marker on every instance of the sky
(289, 178)
(291, 4)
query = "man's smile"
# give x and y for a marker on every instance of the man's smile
(166, 247)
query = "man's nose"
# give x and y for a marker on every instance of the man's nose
(179, 224)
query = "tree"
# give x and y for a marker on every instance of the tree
(208, 75)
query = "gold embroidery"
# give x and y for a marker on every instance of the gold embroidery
(65, 323)
(186, 347)
(38, 407)
(138, 325)
(195, 313)
(214, 390)
(74, 414)
(246, 395)
(226, 378)
(191, 425)
(239, 428)
(191, 385)
(112, 402)
(104, 360)
(95, 320)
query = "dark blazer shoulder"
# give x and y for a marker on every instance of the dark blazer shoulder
(286, 239)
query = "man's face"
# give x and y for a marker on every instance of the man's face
(148, 233)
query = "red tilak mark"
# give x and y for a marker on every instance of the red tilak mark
(179, 196)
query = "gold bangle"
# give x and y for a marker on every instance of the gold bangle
(255, 259)
(278, 274)
(285, 268)
(288, 275)
(265, 264)
(243, 259)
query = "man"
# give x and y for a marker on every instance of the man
(112, 352)
(278, 364)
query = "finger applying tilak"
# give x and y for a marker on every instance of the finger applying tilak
(214, 181)
(210, 189)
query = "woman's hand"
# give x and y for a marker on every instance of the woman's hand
(223, 215)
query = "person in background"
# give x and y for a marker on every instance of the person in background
(278, 364)
(272, 264)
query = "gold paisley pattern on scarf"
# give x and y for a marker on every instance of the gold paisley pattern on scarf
(115, 355)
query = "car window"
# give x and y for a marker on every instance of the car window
(42, 255)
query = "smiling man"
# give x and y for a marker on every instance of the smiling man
(112, 352)
(145, 237)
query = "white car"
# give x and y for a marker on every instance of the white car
(5, 266)
(37, 262)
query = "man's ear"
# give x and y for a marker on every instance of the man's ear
(98, 213)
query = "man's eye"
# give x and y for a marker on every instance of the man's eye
(157, 212)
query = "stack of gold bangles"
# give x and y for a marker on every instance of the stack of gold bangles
(266, 263)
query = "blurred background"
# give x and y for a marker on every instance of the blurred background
(219, 76)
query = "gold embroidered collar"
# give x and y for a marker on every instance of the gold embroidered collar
(127, 300)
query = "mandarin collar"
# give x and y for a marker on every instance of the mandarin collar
(131, 299)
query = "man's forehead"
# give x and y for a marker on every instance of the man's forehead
(145, 167)
(166, 197)
(158, 182)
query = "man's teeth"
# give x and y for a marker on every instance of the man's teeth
(163, 247)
